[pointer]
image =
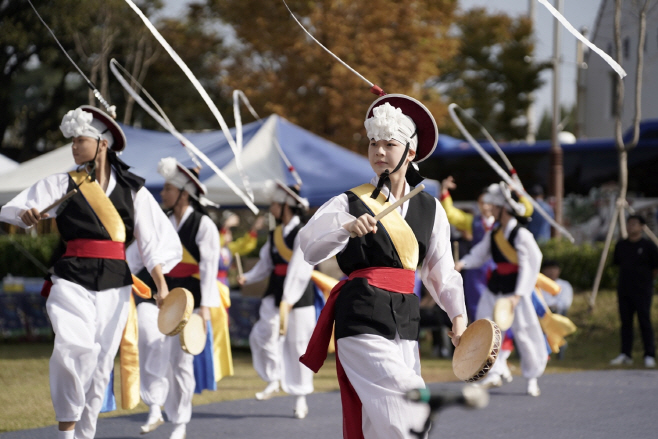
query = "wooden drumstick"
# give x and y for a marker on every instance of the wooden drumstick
(238, 262)
(455, 250)
(395, 205)
(60, 201)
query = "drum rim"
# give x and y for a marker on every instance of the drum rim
(509, 313)
(189, 307)
(182, 336)
(487, 363)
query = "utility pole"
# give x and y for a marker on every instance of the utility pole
(557, 174)
(530, 113)
(581, 87)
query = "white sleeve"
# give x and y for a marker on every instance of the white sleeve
(207, 238)
(298, 275)
(155, 235)
(324, 236)
(479, 254)
(438, 272)
(40, 195)
(134, 258)
(529, 262)
(263, 267)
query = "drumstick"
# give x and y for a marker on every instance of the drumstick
(60, 201)
(455, 250)
(395, 205)
(238, 262)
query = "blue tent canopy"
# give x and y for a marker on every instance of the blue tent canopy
(326, 169)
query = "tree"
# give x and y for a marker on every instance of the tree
(492, 74)
(394, 44)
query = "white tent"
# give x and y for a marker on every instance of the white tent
(31, 171)
(7, 164)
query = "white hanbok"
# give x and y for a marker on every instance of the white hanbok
(166, 371)
(88, 324)
(528, 335)
(381, 370)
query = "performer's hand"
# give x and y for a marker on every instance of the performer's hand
(204, 312)
(363, 225)
(458, 328)
(515, 300)
(459, 266)
(284, 312)
(448, 184)
(163, 292)
(241, 280)
(32, 216)
(258, 224)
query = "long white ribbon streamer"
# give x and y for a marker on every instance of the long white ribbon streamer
(607, 58)
(239, 95)
(515, 183)
(206, 98)
(373, 87)
(111, 109)
(166, 124)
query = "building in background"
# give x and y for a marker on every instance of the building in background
(598, 108)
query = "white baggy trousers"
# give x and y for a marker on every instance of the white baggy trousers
(528, 335)
(382, 371)
(166, 371)
(88, 326)
(277, 358)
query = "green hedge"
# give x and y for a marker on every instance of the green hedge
(580, 262)
(13, 261)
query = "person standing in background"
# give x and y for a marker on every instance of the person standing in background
(637, 258)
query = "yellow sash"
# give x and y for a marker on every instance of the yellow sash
(403, 238)
(129, 360)
(101, 205)
(280, 244)
(545, 283)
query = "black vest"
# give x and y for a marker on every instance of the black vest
(275, 285)
(364, 309)
(77, 220)
(502, 283)
(187, 234)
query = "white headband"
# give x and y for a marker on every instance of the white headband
(499, 194)
(168, 168)
(78, 123)
(388, 122)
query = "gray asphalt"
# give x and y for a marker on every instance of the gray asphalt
(615, 404)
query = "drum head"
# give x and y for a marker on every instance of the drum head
(477, 350)
(175, 311)
(193, 336)
(503, 313)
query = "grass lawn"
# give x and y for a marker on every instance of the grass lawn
(25, 394)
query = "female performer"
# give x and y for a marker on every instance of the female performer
(375, 312)
(518, 260)
(89, 298)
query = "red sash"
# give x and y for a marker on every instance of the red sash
(183, 269)
(281, 269)
(506, 268)
(95, 248)
(89, 248)
(397, 280)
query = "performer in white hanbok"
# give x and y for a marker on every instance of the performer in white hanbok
(89, 296)
(287, 308)
(518, 261)
(375, 312)
(167, 372)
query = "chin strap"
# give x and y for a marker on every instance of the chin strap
(412, 176)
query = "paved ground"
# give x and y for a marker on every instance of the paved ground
(620, 404)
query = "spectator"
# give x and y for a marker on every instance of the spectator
(637, 258)
(538, 225)
(561, 303)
